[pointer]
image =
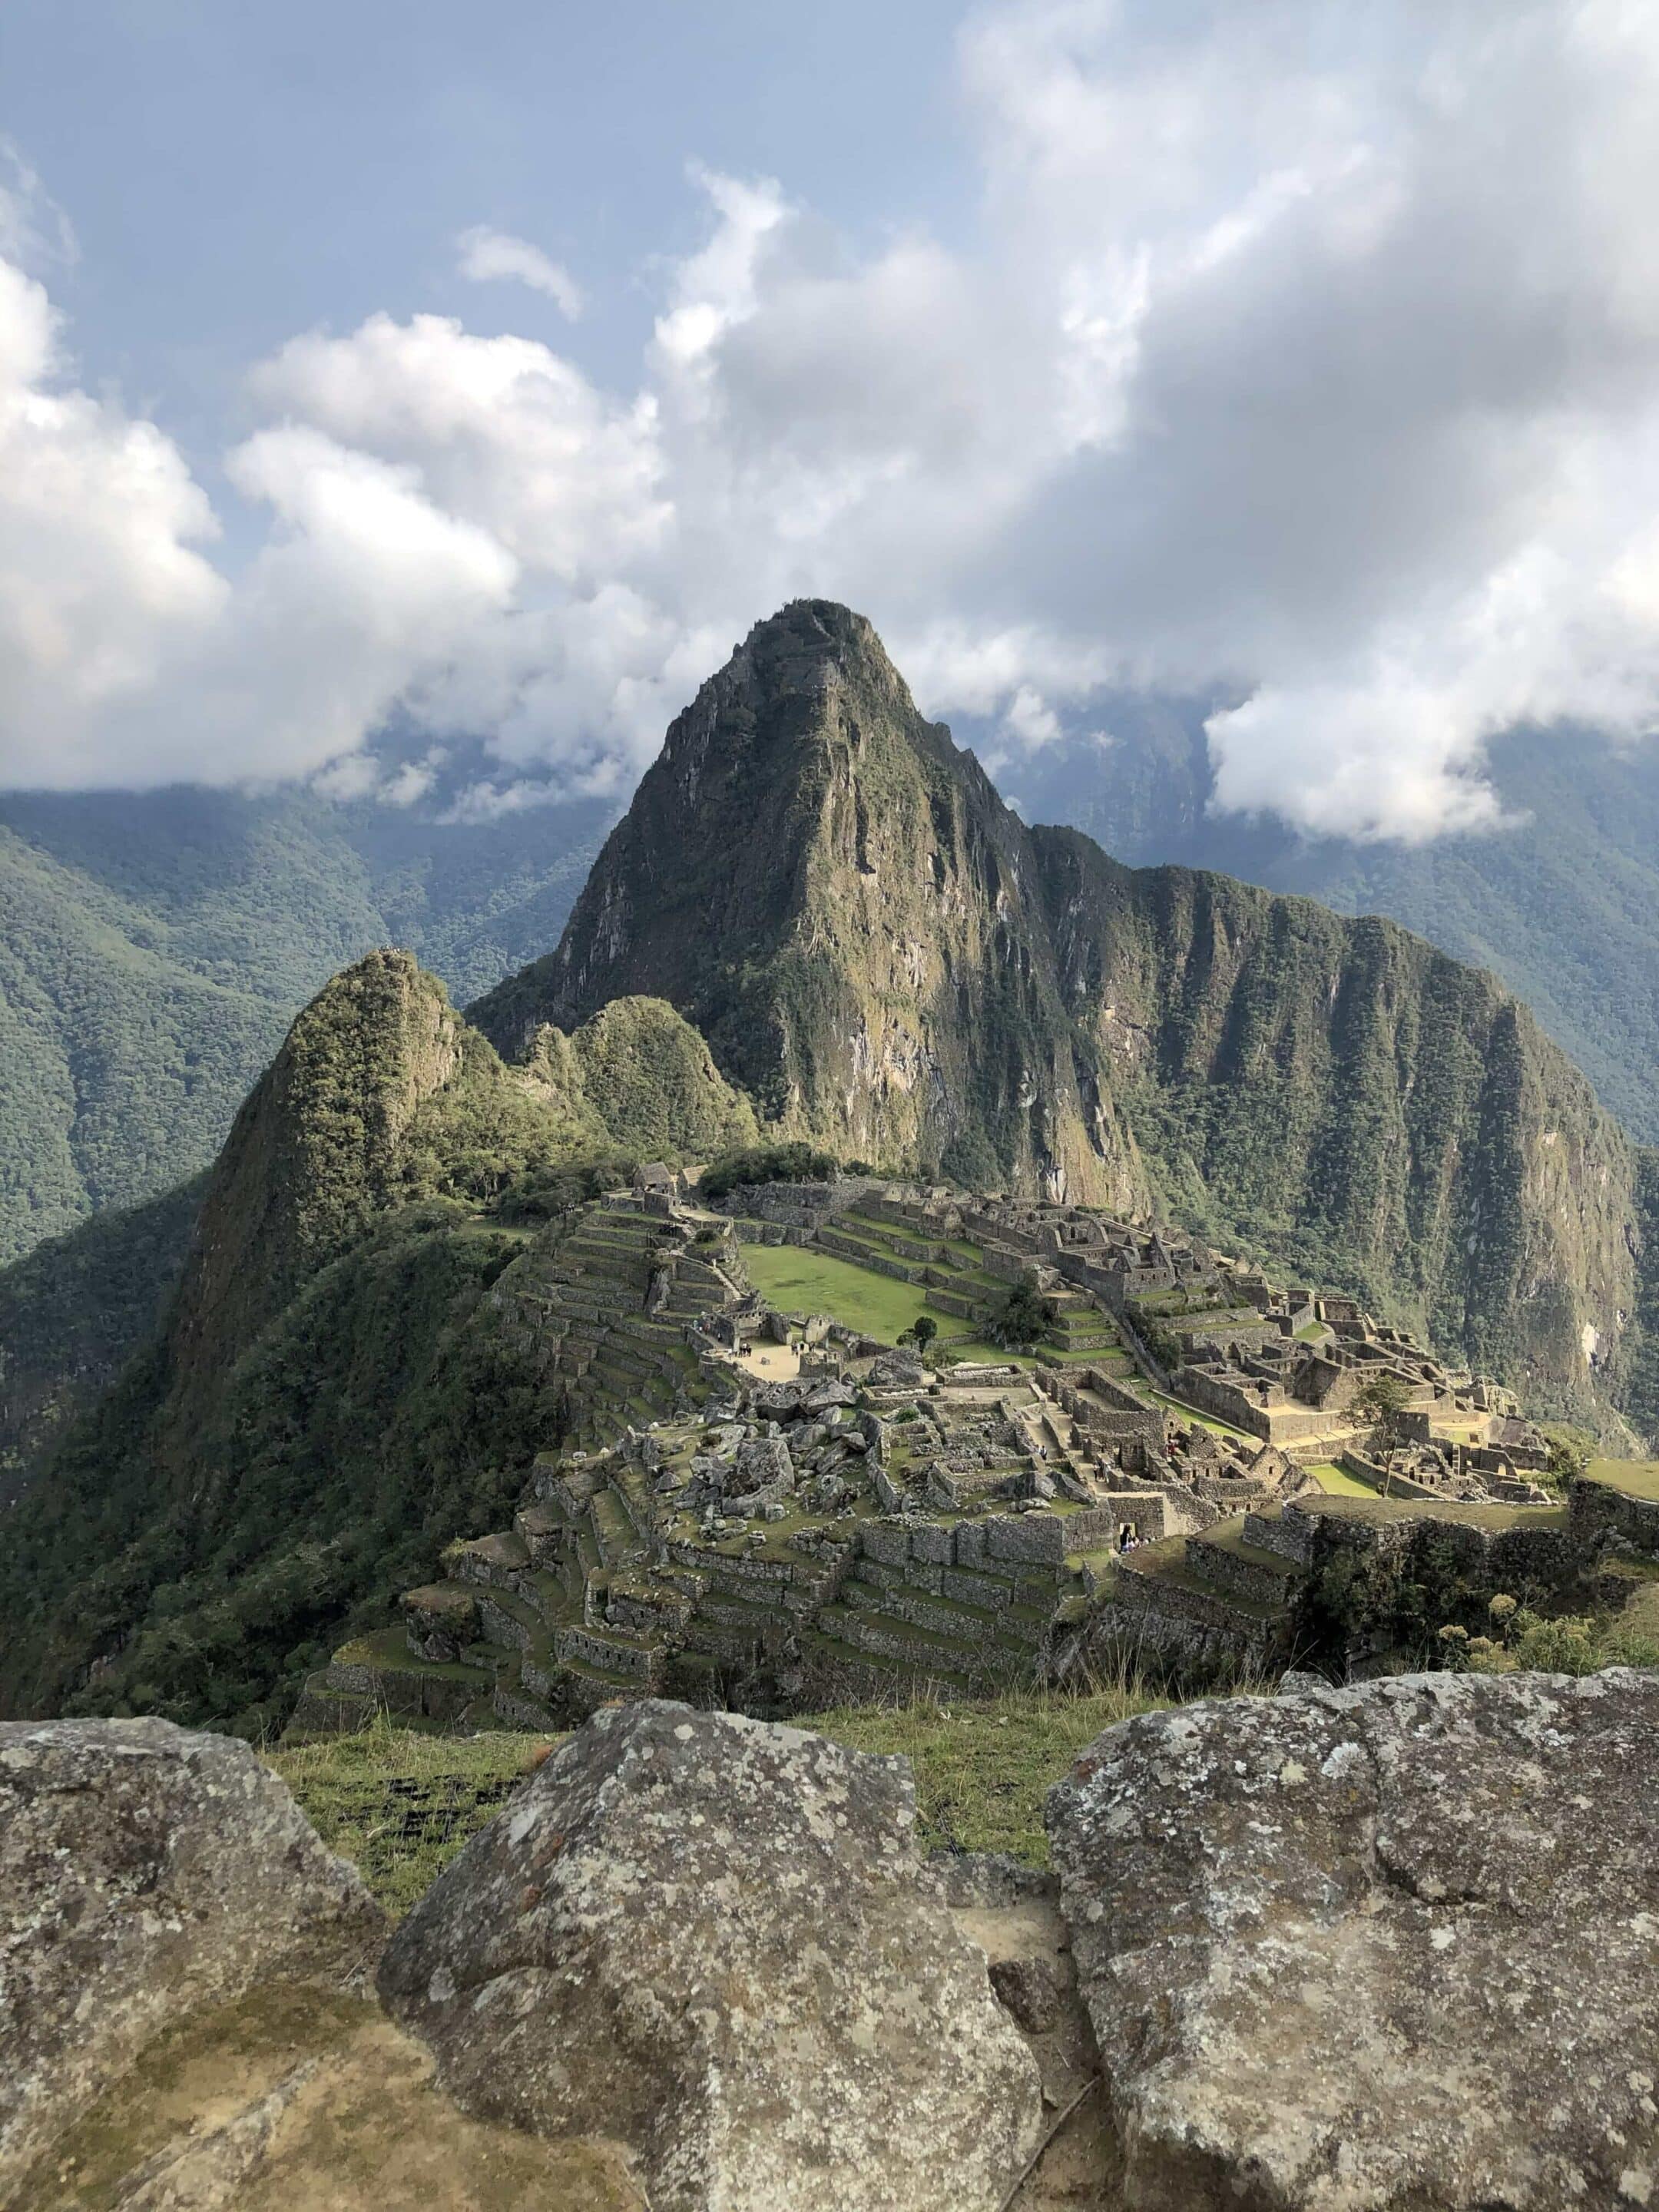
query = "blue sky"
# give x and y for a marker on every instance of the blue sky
(1304, 356)
(235, 173)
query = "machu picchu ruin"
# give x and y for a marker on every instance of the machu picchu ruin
(794, 1464)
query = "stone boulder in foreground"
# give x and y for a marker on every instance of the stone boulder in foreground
(711, 1939)
(146, 1873)
(1394, 1946)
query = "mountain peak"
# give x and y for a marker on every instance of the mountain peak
(814, 633)
(817, 879)
(778, 687)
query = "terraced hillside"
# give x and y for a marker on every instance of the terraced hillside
(767, 1506)
(615, 1580)
(604, 1302)
(853, 1523)
(847, 1264)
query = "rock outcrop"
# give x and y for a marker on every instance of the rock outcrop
(146, 1873)
(1389, 1946)
(714, 1940)
(832, 891)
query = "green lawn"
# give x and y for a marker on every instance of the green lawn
(801, 1280)
(1637, 1478)
(980, 1348)
(1335, 1484)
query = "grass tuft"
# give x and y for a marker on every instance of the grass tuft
(400, 1805)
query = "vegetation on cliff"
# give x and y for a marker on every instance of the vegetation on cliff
(1562, 902)
(156, 945)
(333, 1396)
(1352, 1103)
(73, 1312)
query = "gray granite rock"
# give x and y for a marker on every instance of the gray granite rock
(764, 1463)
(712, 1940)
(1394, 1946)
(146, 1872)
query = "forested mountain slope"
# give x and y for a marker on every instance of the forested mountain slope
(1342, 1097)
(332, 1395)
(74, 1310)
(1563, 905)
(154, 946)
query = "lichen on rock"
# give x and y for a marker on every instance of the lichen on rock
(146, 1873)
(712, 1939)
(1395, 1945)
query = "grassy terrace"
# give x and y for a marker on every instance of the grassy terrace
(1183, 1411)
(1637, 1478)
(1336, 1483)
(400, 1804)
(1167, 1561)
(1372, 1507)
(1228, 1536)
(801, 1280)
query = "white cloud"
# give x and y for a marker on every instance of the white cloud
(484, 255)
(503, 431)
(1306, 358)
(1030, 718)
(102, 589)
(33, 229)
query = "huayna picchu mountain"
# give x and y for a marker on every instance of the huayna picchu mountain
(817, 922)
(891, 963)
(834, 895)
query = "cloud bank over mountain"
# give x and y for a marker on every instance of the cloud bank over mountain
(1302, 357)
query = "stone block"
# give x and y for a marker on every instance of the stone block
(818, 2033)
(887, 1541)
(1025, 1536)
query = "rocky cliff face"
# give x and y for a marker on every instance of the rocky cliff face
(1342, 1094)
(835, 897)
(888, 961)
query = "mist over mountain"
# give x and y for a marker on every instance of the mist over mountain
(1563, 904)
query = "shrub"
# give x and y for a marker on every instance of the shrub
(1024, 1316)
(763, 1163)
